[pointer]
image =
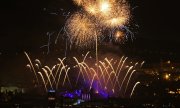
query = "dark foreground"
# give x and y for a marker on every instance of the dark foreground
(43, 102)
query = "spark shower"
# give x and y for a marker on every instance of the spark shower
(112, 78)
(94, 21)
(96, 17)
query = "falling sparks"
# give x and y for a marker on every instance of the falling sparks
(79, 2)
(83, 27)
(105, 6)
(115, 22)
(109, 78)
(92, 9)
(119, 36)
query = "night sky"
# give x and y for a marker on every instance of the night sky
(24, 24)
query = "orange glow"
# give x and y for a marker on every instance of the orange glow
(119, 34)
(104, 6)
(114, 22)
(92, 9)
(171, 92)
(82, 30)
(78, 2)
(167, 76)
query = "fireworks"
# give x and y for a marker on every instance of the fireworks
(91, 9)
(115, 22)
(110, 76)
(85, 26)
(118, 16)
(105, 6)
(81, 29)
(119, 36)
(79, 2)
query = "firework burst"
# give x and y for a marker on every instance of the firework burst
(81, 29)
(96, 16)
(118, 16)
(118, 36)
(79, 2)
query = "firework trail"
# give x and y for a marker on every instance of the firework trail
(32, 66)
(129, 80)
(137, 83)
(105, 76)
(49, 42)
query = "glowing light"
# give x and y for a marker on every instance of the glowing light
(167, 76)
(97, 92)
(81, 30)
(137, 83)
(85, 26)
(79, 2)
(102, 77)
(104, 6)
(119, 34)
(117, 16)
(169, 62)
(92, 9)
(51, 98)
(114, 22)
(172, 92)
(28, 66)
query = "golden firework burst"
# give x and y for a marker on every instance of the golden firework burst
(81, 29)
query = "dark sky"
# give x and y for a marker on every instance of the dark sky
(24, 23)
(158, 19)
